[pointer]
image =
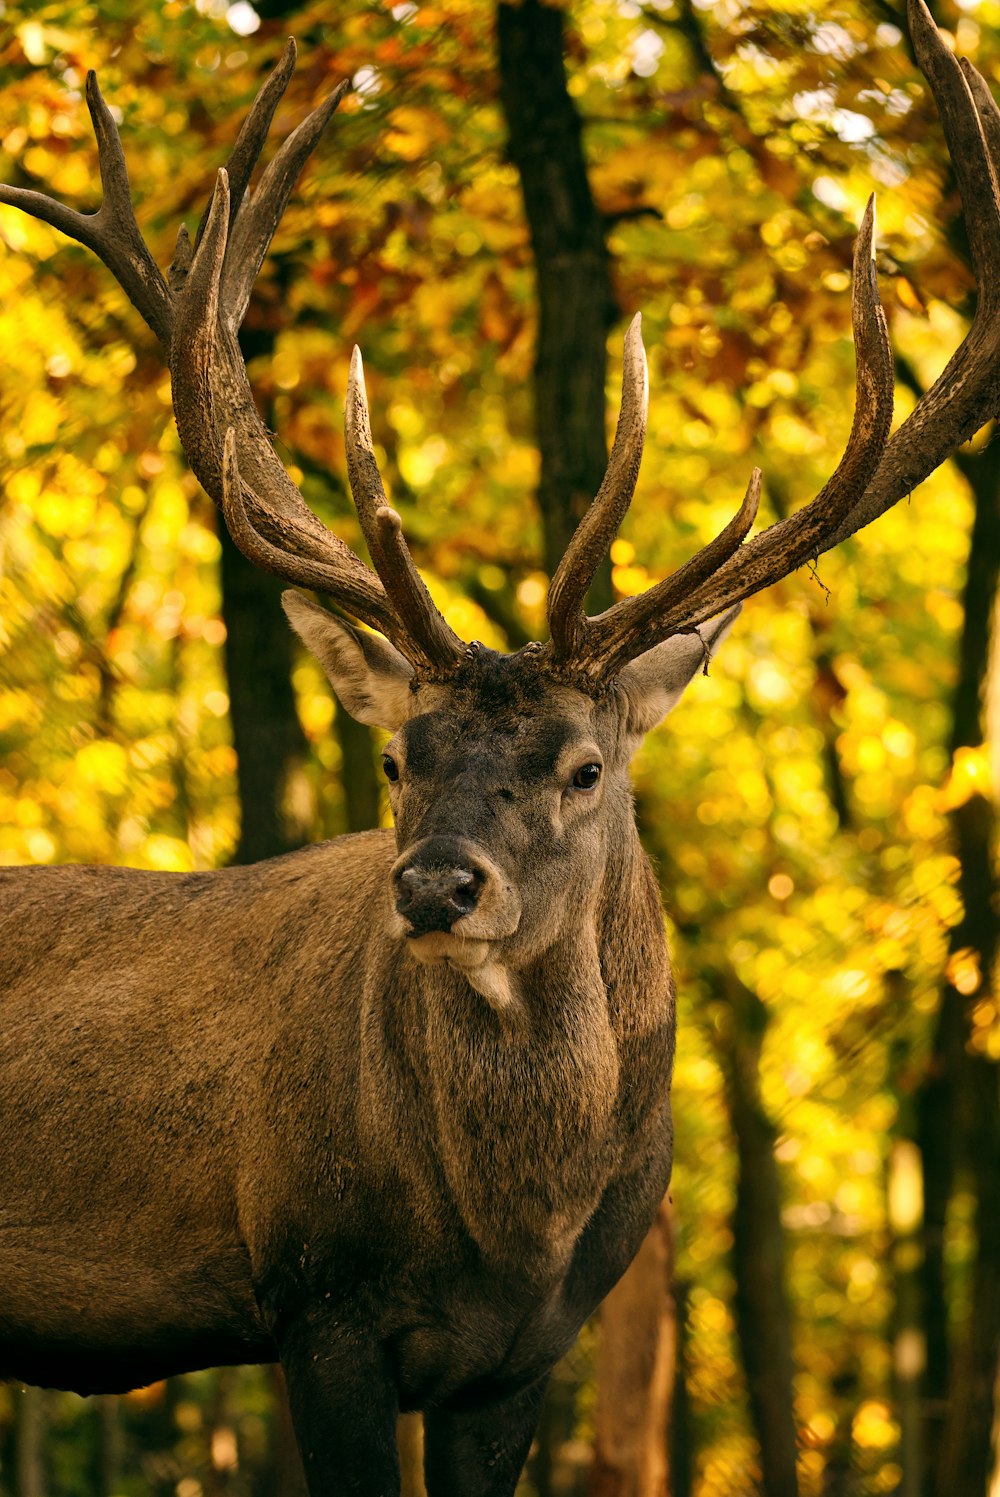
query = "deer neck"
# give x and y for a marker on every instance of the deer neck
(525, 1100)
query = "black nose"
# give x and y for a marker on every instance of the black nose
(433, 897)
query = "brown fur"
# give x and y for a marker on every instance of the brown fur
(239, 1113)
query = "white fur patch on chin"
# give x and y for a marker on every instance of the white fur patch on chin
(496, 985)
(470, 957)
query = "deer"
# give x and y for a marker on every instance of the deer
(394, 1109)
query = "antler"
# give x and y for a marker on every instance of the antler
(196, 314)
(875, 471)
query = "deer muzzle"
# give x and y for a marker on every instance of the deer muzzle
(445, 885)
(434, 898)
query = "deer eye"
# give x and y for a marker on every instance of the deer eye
(586, 777)
(390, 768)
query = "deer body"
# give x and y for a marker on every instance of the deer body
(272, 1121)
(396, 1113)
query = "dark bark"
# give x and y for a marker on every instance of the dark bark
(357, 771)
(763, 1318)
(575, 302)
(958, 1105)
(681, 1452)
(267, 737)
(110, 1445)
(838, 1474)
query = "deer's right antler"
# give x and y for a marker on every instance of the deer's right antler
(196, 314)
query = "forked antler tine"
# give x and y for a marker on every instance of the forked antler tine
(964, 133)
(111, 232)
(201, 290)
(362, 467)
(590, 541)
(399, 605)
(255, 226)
(411, 602)
(364, 600)
(989, 118)
(253, 133)
(382, 530)
(611, 640)
(634, 625)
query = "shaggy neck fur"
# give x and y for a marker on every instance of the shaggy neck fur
(534, 1108)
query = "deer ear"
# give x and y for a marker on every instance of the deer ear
(654, 683)
(369, 675)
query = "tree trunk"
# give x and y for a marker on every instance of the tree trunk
(958, 1107)
(29, 1468)
(575, 303)
(357, 772)
(636, 1369)
(110, 1445)
(763, 1318)
(267, 737)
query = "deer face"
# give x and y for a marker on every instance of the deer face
(508, 788)
(503, 786)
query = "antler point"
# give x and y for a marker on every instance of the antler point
(356, 378)
(388, 518)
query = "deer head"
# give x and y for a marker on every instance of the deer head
(503, 764)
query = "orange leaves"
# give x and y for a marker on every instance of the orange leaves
(412, 132)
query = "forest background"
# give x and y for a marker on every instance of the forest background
(818, 1310)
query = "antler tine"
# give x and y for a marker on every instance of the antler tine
(253, 133)
(358, 592)
(599, 526)
(411, 601)
(989, 120)
(634, 625)
(967, 147)
(112, 232)
(362, 468)
(732, 571)
(382, 529)
(255, 226)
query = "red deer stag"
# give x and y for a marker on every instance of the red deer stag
(394, 1110)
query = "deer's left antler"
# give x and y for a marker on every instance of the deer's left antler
(875, 471)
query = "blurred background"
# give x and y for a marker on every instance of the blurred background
(817, 1309)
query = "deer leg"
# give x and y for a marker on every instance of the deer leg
(344, 1407)
(480, 1452)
